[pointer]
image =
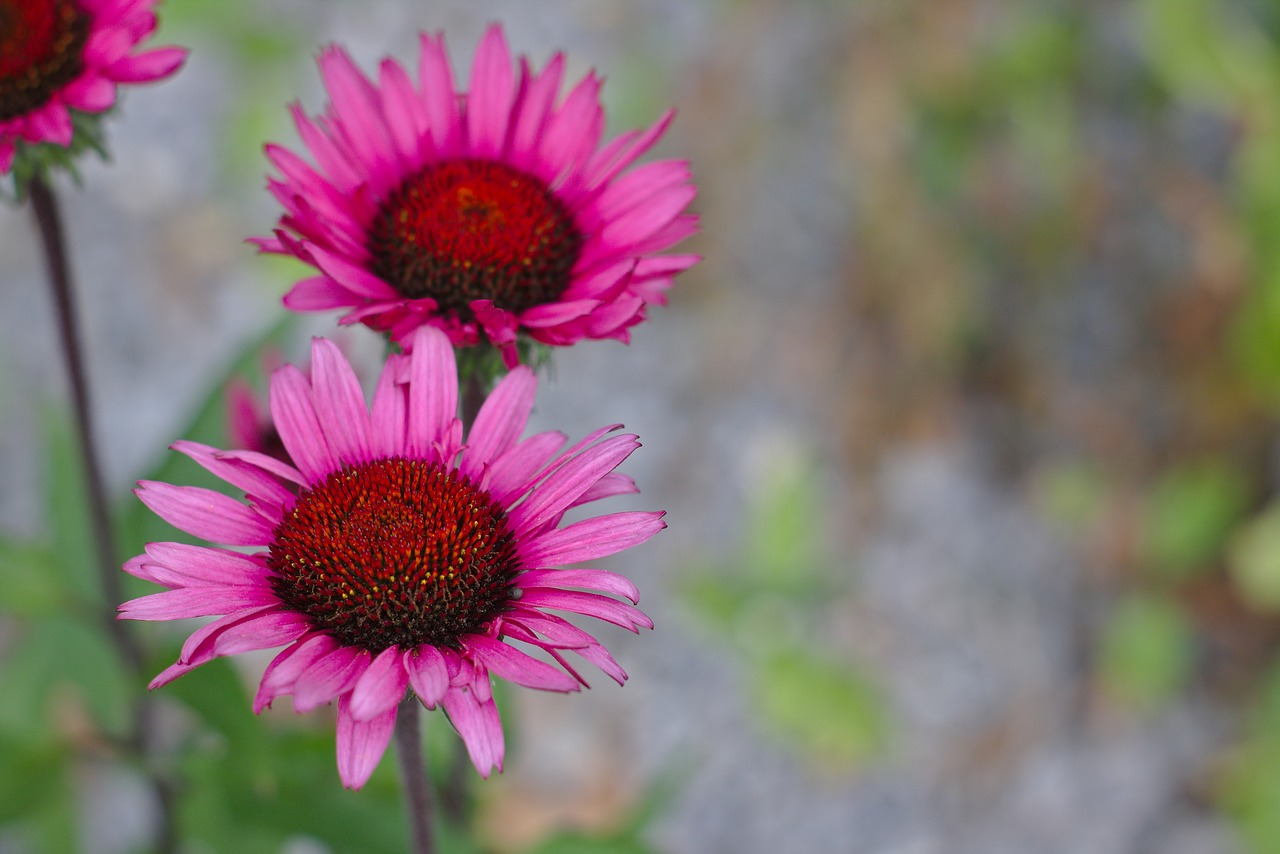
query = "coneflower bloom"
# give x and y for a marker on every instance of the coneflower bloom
(59, 57)
(390, 556)
(489, 214)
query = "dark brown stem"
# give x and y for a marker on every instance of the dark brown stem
(49, 222)
(413, 776)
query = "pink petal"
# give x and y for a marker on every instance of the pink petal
(356, 279)
(515, 666)
(575, 130)
(339, 403)
(533, 109)
(206, 514)
(240, 474)
(591, 538)
(53, 123)
(621, 614)
(589, 579)
(387, 421)
(427, 674)
(90, 93)
(329, 677)
(559, 631)
(489, 95)
(318, 293)
(612, 159)
(566, 483)
(361, 743)
(196, 565)
(433, 388)
(381, 687)
(402, 108)
(613, 483)
(283, 671)
(187, 602)
(501, 420)
(438, 96)
(509, 476)
(480, 728)
(148, 65)
(642, 221)
(353, 99)
(295, 418)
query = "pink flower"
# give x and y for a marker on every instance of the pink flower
(390, 556)
(486, 214)
(59, 56)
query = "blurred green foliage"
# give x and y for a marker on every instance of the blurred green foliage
(762, 601)
(1146, 650)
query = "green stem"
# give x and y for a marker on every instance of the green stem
(44, 204)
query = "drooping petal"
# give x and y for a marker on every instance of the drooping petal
(361, 743)
(381, 687)
(428, 674)
(515, 666)
(480, 727)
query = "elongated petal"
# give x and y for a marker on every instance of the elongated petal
(339, 403)
(433, 388)
(489, 98)
(515, 666)
(480, 727)
(563, 486)
(591, 538)
(187, 602)
(206, 514)
(283, 671)
(588, 579)
(294, 414)
(501, 420)
(361, 743)
(621, 614)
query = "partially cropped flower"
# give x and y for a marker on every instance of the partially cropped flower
(60, 63)
(490, 214)
(390, 556)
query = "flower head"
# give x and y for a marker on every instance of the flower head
(60, 61)
(488, 214)
(389, 555)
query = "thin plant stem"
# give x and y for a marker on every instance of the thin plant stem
(413, 775)
(417, 792)
(44, 204)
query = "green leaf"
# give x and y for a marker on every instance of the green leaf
(1145, 652)
(60, 659)
(1189, 514)
(1254, 558)
(29, 580)
(67, 508)
(1250, 782)
(830, 710)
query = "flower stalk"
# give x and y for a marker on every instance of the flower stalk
(44, 205)
(413, 775)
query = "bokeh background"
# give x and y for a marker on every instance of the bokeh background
(966, 427)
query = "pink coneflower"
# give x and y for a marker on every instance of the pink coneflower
(392, 556)
(59, 57)
(487, 214)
